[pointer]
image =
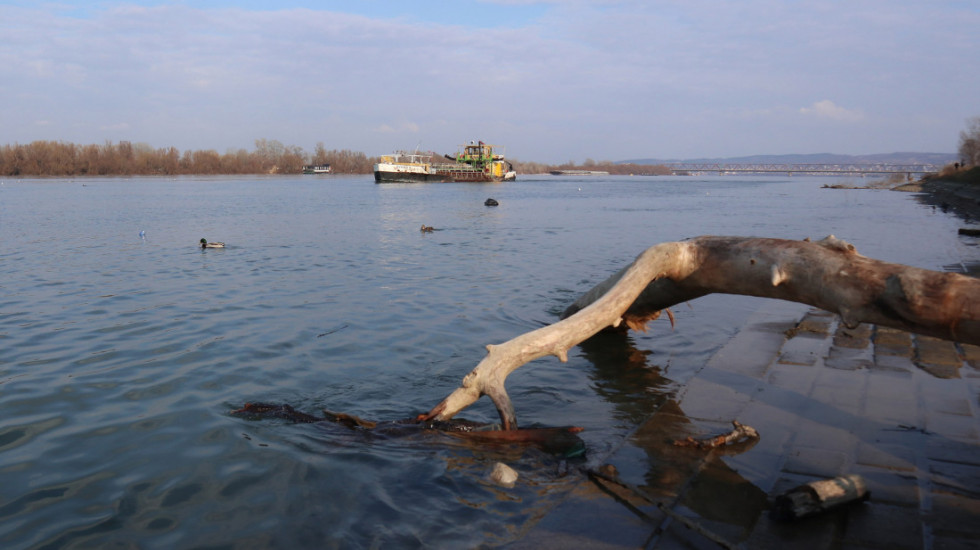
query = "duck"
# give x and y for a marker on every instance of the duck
(206, 244)
(427, 228)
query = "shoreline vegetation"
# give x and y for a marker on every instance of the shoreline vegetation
(58, 158)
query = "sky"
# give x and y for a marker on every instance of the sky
(551, 81)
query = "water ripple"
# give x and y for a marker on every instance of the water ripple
(121, 358)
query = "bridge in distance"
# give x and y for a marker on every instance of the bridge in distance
(829, 169)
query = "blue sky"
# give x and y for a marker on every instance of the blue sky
(551, 80)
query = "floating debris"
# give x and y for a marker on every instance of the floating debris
(819, 496)
(740, 433)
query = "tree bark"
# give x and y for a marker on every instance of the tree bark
(828, 274)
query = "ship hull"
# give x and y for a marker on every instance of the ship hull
(384, 176)
(439, 177)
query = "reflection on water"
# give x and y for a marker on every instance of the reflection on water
(711, 489)
(124, 346)
(624, 377)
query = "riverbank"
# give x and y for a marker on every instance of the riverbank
(957, 192)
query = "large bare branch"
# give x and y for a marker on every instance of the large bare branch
(828, 274)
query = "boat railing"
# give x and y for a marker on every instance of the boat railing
(456, 167)
(406, 158)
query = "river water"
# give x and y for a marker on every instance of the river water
(122, 356)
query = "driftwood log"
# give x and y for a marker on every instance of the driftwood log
(828, 274)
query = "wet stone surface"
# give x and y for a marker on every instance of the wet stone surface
(900, 410)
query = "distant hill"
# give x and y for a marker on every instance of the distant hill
(816, 158)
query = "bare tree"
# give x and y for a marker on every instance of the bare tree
(829, 274)
(970, 143)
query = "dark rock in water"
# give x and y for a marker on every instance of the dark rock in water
(491, 202)
(969, 231)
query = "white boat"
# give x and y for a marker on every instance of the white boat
(402, 167)
(317, 169)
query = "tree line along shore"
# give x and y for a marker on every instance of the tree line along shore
(58, 158)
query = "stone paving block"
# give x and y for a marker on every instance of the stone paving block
(886, 384)
(847, 394)
(893, 363)
(948, 404)
(717, 395)
(874, 524)
(890, 486)
(909, 436)
(793, 378)
(818, 462)
(816, 321)
(803, 349)
(952, 450)
(970, 372)
(946, 396)
(847, 358)
(958, 478)
(772, 419)
(953, 426)
(892, 411)
(762, 461)
(890, 341)
(759, 467)
(955, 515)
(886, 455)
(971, 354)
(826, 435)
(749, 353)
(939, 358)
(819, 413)
(755, 347)
(856, 338)
(940, 371)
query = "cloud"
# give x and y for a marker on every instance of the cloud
(562, 79)
(404, 127)
(829, 110)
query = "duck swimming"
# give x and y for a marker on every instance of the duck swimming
(427, 228)
(206, 244)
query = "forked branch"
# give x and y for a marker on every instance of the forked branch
(828, 274)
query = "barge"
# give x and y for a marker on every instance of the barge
(476, 162)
